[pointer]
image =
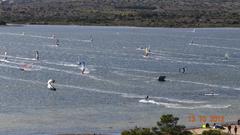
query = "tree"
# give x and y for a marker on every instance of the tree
(168, 126)
(138, 131)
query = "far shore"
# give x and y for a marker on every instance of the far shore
(123, 25)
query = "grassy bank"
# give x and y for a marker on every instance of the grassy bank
(144, 13)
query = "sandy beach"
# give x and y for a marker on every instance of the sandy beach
(197, 131)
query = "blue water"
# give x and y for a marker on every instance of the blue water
(109, 98)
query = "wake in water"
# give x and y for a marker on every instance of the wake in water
(216, 47)
(156, 56)
(48, 37)
(206, 84)
(186, 105)
(182, 81)
(179, 60)
(180, 106)
(13, 34)
(3, 60)
(36, 67)
(21, 66)
(164, 55)
(31, 67)
(63, 39)
(211, 94)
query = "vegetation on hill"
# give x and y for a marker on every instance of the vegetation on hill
(2, 23)
(166, 126)
(169, 13)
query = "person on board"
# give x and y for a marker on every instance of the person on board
(146, 51)
(57, 42)
(5, 56)
(82, 67)
(182, 70)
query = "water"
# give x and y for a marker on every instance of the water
(110, 97)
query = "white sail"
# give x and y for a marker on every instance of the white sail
(194, 30)
(5, 56)
(226, 56)
(50, 84)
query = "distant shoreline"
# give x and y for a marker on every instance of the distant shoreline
(112, 25)
(147, 13)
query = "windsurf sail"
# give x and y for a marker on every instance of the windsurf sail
(57, 42)
(146, 51)
(36, 55)
(78, 61)
(226, 56)
(182, 70)
(191, 43)
(82, 67)
(5, 56)
(194, 30)
(91, 38)
(50, 84)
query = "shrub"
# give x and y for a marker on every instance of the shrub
(138, 131)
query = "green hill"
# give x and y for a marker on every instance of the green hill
(169, 13)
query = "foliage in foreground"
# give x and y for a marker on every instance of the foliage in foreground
(166, 126)
(138, 131)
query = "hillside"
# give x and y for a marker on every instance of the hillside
(170, 13)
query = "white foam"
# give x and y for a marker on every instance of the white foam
(179, 106)
(23, 59)
(151, 102)
(9, 66)
(140, 49)
(166, 54)
(87, 71)
(135, 70)
(217, 38)
(206, 84)
(218, 47)
(180, 101)
(3, 60)
(13, 34)
(13, 57)
(197, 63)
(77, 40)
(38, 36)
(45, 37)
(127, 95)
(211, 94)
(66, 64)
